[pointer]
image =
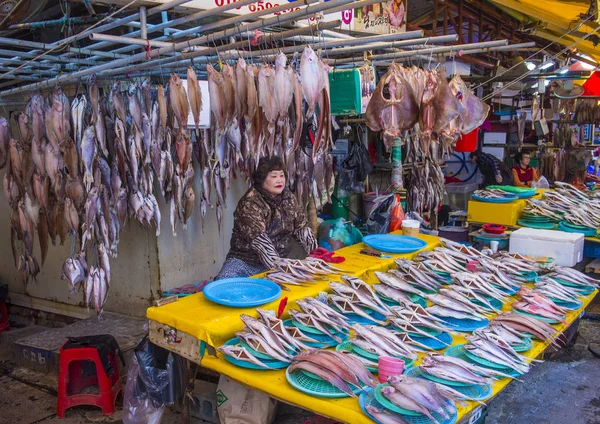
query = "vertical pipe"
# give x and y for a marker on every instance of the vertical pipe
(460, 22)
(445, 20)
(144, 28)
(165, 18)
(435, 15)
(470, 30)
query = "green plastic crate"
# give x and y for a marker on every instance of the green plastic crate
(345, 91)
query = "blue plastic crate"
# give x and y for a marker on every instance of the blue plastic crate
(591, 249)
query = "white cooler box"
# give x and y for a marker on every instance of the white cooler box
(565, 248)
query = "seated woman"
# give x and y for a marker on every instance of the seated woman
(265, 220)
(522, 172)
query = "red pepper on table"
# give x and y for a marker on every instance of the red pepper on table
(281, 308)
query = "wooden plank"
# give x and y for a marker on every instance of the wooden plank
(593, 267)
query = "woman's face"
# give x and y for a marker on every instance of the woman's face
(275, 182)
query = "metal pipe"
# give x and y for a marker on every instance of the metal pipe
(206, 55)
(119, 22)
(333, 5)
(20, 62)
(143, 29)
(196, 16)
(361, 43)
(329, 7)
(433, 50)
(43, 46)
(33, 54)
(129, 40)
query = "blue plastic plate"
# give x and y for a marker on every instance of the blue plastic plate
(394, 243)
(464, 325)
(434, 344)
(242, 292)
(506, 199)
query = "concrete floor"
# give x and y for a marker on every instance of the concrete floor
(562, 390)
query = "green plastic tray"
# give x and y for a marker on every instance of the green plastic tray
(315, 386)
(349, 347)
(484, 362)
(368, 355)
(523, 347)
(576, 304)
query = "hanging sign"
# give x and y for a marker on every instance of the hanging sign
(345, 16)
(382, 18)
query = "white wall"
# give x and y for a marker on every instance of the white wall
(144, 265)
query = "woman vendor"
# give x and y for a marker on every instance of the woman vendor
(524, 174)
(265, 220)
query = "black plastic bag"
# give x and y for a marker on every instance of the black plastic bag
(156, 377)
(355, 168)
(379, 220)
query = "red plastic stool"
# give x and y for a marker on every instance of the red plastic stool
(71, 382)
(4, 325)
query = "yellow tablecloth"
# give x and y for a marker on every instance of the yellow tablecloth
(347, 409)
(215, 324)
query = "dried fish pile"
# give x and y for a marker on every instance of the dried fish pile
(528, 324)
(490, 347)
(575, 277)
(418, 275)
(491, 193)
(427, 186)
(395, 287)
(577, 207)
(440, 261)
(536, 303)
(446, 368)
(354, 296)
(555, 291)
(321, 318)
(267, 336)
(539, 207)
(258, 111)
(417, 320)
(337, 368)
(300, 272)
(420, 396)
(382, 342)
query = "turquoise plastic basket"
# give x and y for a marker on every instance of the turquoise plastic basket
(312, 385)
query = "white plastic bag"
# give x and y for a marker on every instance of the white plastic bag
(244, 405)
(541, 183)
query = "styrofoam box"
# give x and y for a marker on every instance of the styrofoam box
(565, 248)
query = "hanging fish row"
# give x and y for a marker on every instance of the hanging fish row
(423, 101)
(260, 111)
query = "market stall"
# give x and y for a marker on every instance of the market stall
(194, 326)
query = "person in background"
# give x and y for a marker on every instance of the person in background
(264, 222)
(494, 171)
(524, 174)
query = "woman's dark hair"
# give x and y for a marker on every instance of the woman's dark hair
(474, 154)
(266, 165)
(518, 157)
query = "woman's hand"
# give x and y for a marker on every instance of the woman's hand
(499, 179)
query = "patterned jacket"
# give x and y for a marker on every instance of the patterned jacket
(264, 225)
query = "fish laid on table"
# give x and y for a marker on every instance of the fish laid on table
(436, 366)
(361, 297)
(418, 395)
(337, 368)
(309, 320)
(381, 342)
(241, 354)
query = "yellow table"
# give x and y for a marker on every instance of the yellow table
(182, 326)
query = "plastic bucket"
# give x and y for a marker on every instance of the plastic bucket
(389, 366)
(467, 142)
(410, 227)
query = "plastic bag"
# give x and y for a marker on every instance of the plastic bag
(541, 183)
(353, 171)
(156, 377)
(337, 233)
(380, 217)
(244, 405)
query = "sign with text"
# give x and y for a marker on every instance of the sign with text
(382, 18)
